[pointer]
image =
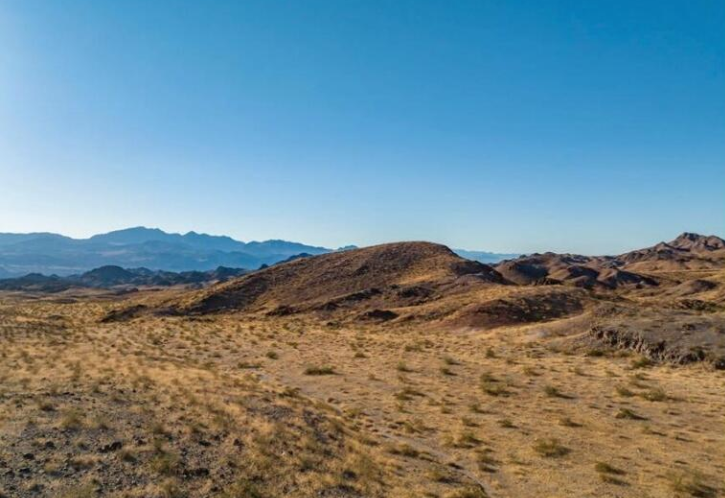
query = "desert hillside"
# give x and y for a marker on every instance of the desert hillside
(393, 273)
(399, 370)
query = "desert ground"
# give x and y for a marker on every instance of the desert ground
(250, 404)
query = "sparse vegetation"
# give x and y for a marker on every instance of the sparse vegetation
(324, 370)
(492, 386)
(550, 448)
(605, 468)
(467, 492)
(627, 413)
(402, 367)
(71, 419)
(447, 371)
(404, 450)
(554, 392)
(686, 484)
(656, 394)
(173, 406)
(568, 422)
(641, 362)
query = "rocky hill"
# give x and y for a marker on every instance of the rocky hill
(107, 277)
(637, 268)
(428, 283)
(602, 272)
(387, 275)
(689, 251)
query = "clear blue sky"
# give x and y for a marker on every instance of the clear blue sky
(590, 126)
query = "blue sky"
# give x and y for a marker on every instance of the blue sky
(586, 126)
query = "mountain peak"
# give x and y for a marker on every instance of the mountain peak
(694, 242)
(133, 235)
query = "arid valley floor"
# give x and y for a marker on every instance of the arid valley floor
(399, 371)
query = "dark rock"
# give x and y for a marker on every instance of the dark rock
(198, 472)
(382, 315)
(114, 446)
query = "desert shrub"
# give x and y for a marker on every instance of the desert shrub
(407, 394)
(531, 371)
(170, 489)
(466, 439)
(447, 371)
(402, 367)
(486, 462)
(46, 406)
(568, 422)
(554, 392)
(550, 448)
(243, 487)
(468, 422)
(691, 484)
(468, 492)
(641, 362)
(82, 491)
(72, 419)
(441, 475)
(626, 413)
(492, 386)
(476, 408)
(657, 394)
(449, 360)
(506, 423)
(404, 450)
(323, 370)
(164, 463)
(605, 468)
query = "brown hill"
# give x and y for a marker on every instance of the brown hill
(368, 279)
(527, 270)
(691, 287)
(520, 306)
(423, 283)
(698, 243)
(571, 269)
(689, 251)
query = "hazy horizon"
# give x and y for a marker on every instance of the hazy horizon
(591, 128)
(247, 240)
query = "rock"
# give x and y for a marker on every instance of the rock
(114, 446)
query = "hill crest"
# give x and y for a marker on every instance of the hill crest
(395, 273)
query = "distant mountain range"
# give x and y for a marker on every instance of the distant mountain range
(484, 257)
(152, 248)
(53, 254)
(107, 277)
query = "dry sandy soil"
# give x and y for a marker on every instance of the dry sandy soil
(250, 406)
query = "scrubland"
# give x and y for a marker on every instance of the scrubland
(235, 405)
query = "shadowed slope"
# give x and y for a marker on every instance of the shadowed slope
(572, 269)
(399, 272)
